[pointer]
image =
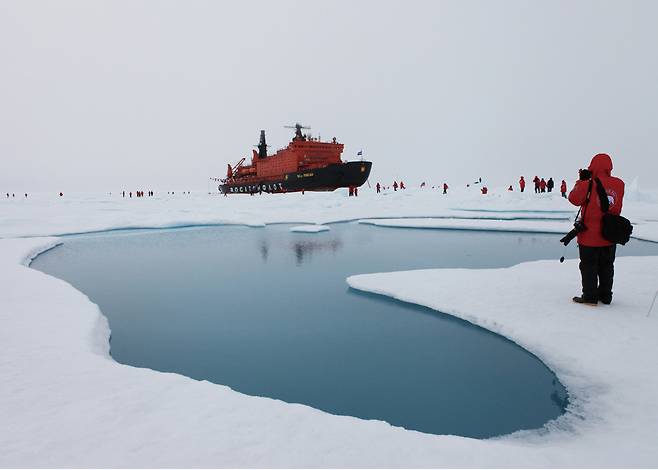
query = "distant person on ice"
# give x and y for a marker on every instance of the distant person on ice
(395, 185)
(550, 184)
(402, 186)
(379, 188)
(536, 181)
(445, 188)
(542, 185)
(597, 255)
(522, 184)
(563, 188)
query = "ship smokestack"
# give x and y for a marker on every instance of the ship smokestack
(262, 146)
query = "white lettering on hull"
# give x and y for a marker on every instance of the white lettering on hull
(255, 188)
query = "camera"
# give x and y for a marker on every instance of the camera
(584, 174)
(578, 226)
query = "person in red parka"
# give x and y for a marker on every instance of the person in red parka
(522, 184)
(597, 255)
(445, 188)
(542, 185)
(563, 189)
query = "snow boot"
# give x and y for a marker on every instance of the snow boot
(605, 297)
(582, 300)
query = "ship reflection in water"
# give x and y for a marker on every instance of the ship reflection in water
(264, 250)
(304, 249)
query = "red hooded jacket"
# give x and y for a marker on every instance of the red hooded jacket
(601, 166)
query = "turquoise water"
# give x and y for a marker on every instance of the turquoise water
(268, 313)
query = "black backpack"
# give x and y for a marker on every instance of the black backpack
(615, 228)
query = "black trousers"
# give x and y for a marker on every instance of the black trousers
(597, 271)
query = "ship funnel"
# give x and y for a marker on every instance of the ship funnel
(262, 146)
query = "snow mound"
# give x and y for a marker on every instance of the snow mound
(310, 228)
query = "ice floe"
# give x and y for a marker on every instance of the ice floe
(65, 402)
(310, 228)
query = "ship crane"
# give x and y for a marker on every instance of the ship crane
(233, 171)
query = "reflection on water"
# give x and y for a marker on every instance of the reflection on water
(268, 313)
(264, 250)
(306, 248)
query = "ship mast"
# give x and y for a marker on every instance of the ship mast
(262, 146)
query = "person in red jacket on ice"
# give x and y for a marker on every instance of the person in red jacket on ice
(522, 184)
(402, 186)
(536, 181)
(542, 185)
(597, 255)
(445, 188)
(563, 189)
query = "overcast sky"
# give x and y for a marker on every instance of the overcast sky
(162, 94)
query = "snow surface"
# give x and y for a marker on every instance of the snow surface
(44, 214)
(533, 226)
(65, 402)
(310, 228)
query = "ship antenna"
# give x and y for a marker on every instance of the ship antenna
(298, 130)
